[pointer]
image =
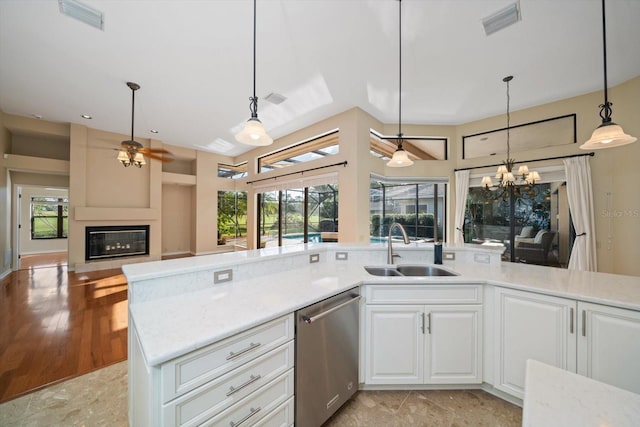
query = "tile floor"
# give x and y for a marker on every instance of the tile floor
(100, 399)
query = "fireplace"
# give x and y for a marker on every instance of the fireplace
(116, 241)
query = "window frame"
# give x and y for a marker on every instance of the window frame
(60, 217)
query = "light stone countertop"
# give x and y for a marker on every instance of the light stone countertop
(554, 397)
(172, 326)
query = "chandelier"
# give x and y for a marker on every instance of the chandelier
(253, 132)
(608, 134)
(505, 175)
(400, 157)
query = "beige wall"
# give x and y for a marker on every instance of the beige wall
(613, 170)
(176, 219)
(103, 192)
(5, 203)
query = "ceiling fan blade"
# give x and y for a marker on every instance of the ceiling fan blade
(154, 150)
(159, 157)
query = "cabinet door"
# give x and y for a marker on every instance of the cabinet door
(609, 345)
(531, 326)
(394, 344)
(453, 346)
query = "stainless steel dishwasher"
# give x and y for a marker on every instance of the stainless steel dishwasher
(326, 357)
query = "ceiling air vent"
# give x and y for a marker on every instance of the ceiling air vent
(275, 98)
(82, 12)
(502, 18)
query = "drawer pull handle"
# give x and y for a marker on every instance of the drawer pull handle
(233, 355)
(584, 323)
(429, 327)
(251, 414)
(251, 380)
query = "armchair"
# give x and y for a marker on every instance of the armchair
(536, 252)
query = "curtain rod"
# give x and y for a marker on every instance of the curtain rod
(532, 160)
(301, 172)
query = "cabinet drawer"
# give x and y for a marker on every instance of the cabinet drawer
(424, 294)
(204, 402)
(282, 416)
(258, 405)
(185, 373)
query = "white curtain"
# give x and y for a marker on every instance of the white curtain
(580, 195)
(462, 189)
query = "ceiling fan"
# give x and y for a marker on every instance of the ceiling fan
(131, 151)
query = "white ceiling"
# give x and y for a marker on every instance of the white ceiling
(193, 60)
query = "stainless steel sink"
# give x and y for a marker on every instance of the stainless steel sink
(409, 270)
(383, 271)
(423, 270)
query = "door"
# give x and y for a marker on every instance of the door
(394, 344)
(609, 345)
(453, 345)
(531, 326)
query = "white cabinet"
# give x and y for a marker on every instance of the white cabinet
(531, 326)
(609, 345)
(594, 340)
(453, 344)
(394, 344)
(246, 377)
(437, 343)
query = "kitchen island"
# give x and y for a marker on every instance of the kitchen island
(176, 309)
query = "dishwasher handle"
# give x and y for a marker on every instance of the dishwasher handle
(312, 319)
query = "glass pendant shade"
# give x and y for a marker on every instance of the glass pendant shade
(607, 136)
(254, 134)
(508, 179)
(123, 157)
(533, 177)
(487, 182)
(138, 159)
(400, 159)
(523, 170)
(502, 171)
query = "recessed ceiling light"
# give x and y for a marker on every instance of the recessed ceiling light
(86, 116)
(82, 12)
(36, 116)
(154, 131)
(502, 18)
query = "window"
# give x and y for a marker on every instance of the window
(232, 218)
(49, 217)
(399, 201)
(528, 136)
(417, 148)
(232, 171)
(532, 222)
(298, 215)
(306, 151)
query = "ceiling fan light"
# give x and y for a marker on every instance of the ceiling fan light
(487, 182)
(123, 157)
(607, 136)
(502, 170)
(399, 159)
(138, 159)
(254, 134)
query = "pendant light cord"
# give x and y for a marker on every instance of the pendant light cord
(253, 105)
(508, 121)
(400, 72)
(133, 109)
(605, 109)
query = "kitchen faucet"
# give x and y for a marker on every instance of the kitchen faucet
(390, 253)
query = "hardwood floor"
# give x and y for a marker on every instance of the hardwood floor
(56, 325)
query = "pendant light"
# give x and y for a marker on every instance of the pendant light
(504, 174)
(608, 134)
(253, 132)
(400, 158)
